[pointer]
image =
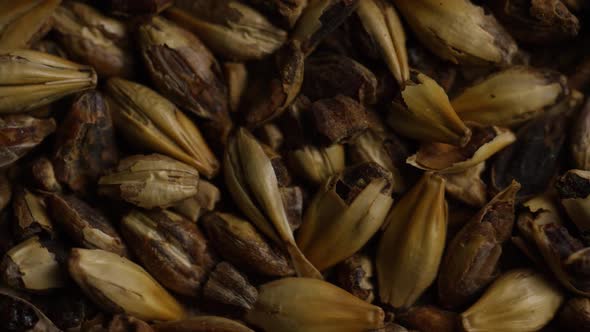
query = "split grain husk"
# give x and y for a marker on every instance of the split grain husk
(445, 158)
(252, 181)
(545, 240)
(90, 37)
(355, 275)
(19, 134)
(85, 225)
(186, 72)
(318, 19)
(327, 76)
(346, 212)
(30, 215)
(85, 144)
(34, 265)
(426, 113)
(574, 191)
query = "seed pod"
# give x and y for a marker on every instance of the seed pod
(34, 265)
(467, 186)
(428, 318)
(118, 285)
(150, 181)
(511, 96)
(105, 49)
(134, 8)
(17, 314)
(318, 19)
(202, 324)
(25, 22)
(444, 158)
(205, 200)
(43, 175)
(170, 247)
(412, 245)
(548, 242)
(272, 96)
(471, 260)
(538, 142)
(242, 245)
(236, 78)
(383, 25)
(346, 212)
(228, 286)
(317, 164)
(575, 315)
(327, 76)
(31, 79)
(426, 113)
(184, 70)
(537, 22)
(252, 181)
(580, 139)
(30, 215)
(354, 275)
(85, 144)
(21, 133)
(338, 119)
(327, 308)
(459, 31)
(520, 300)
(150, 121)
(85, 225)
(229, 28)
(574, 191)
(286, 12)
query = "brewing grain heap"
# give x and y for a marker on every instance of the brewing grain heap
(294, 165)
